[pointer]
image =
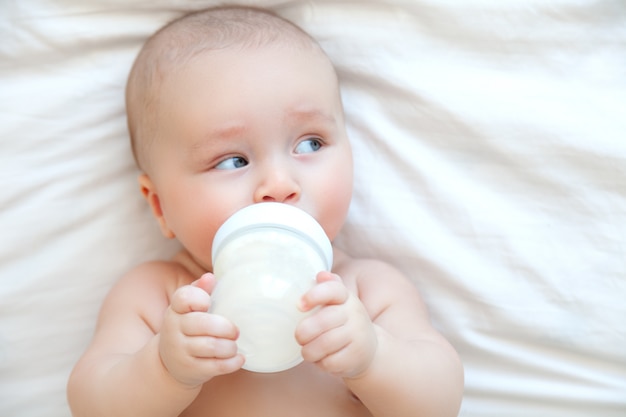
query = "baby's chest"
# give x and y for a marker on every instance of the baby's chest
(301, 391)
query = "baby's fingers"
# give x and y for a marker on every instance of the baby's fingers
(206, 324)
(325, 320)
(220, 366)
(206, 282)
(190, 298)
(329, 290)
(208, 347)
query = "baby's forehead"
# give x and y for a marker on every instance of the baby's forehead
(227, 28)
(236, 71)
(166, 65)
(174, 47)
(170, 69)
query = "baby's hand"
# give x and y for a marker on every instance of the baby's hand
(339, 337)
(195, 345)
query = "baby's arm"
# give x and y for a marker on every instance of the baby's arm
(150, 356)
(378, 338)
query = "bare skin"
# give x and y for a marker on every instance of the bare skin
(311, 387)
(303, 390)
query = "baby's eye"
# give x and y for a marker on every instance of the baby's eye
(309, 145)
(233, 162)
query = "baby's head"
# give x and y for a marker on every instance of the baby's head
(234, 106)
(172, 47)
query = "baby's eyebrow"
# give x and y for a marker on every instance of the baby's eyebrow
(227, 131)
(218, 135)
(306, 113)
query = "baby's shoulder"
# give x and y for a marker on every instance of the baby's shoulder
(160, 271)
(162, 277)
(142, 293)
(367, 273)
(385, 291)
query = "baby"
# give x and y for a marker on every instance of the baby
(229, 107)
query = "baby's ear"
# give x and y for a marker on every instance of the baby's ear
(149, 192)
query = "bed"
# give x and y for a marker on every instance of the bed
(490, 148)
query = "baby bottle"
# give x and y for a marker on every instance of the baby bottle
(265, 257)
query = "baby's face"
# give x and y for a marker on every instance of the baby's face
(242, 127)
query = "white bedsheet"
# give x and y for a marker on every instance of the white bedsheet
(490, 146)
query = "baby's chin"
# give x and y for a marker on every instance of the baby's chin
(203, 262)
(332, 231)
(206, 266)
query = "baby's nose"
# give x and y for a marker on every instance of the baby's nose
(278, 186)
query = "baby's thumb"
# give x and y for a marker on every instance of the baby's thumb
(324, 276)
(205, 282)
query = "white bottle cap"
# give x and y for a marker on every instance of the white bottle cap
(277, 215)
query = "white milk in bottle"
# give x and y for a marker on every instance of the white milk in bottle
(265, 257)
